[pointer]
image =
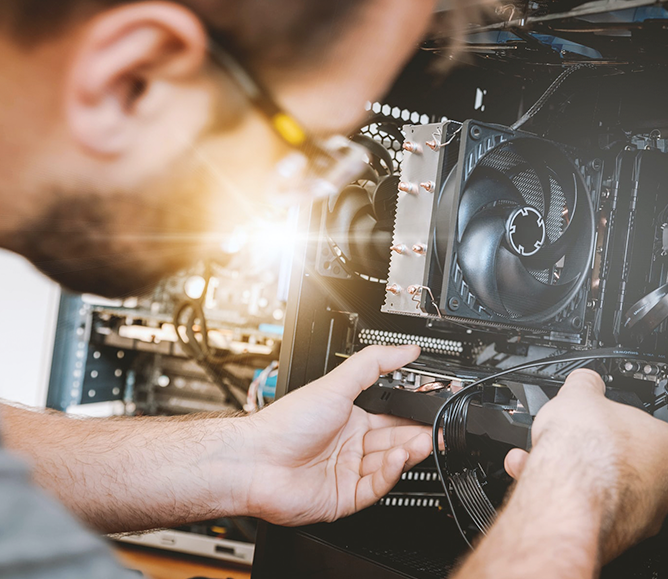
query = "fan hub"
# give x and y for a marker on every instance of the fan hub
(525, 231)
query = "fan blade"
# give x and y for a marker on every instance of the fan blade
(520, 292)
(342, 212)
(369, 245)
(384, 200)
(580, 219)
(377, 152)
(485, 186)
(369, 175)
(477, 255)
(393, 130)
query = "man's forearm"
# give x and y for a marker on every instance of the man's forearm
(133, 474)
(550, 529)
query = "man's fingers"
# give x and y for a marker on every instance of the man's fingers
(384, 438)
(377, 484)
(515, 461)
(581, 381)
(418, 448)
(363, 369)
(385, 420)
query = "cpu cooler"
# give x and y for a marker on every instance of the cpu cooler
(512, 232)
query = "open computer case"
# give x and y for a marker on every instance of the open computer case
(500, 225)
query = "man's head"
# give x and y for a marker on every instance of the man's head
(125, 152)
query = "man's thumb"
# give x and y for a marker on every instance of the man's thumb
(583, 380)
(363, 369)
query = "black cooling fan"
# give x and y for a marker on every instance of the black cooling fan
(523, 237)
(360, 219)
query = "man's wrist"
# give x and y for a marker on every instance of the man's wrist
(558, 507)
(225, 464)
(550, 528)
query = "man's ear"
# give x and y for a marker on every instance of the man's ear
(123, 67)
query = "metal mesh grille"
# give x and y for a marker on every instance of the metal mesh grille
(554, 222)
(502, 160)
(528, 185)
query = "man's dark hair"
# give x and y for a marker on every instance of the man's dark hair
(270, 32)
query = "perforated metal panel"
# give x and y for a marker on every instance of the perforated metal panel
(378, 131)
(428, 344)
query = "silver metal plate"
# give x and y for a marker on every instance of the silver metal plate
(408, 269)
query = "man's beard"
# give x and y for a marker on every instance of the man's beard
(118, 245)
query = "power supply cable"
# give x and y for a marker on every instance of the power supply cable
(440, 420)
(471, 495)
(540, 103)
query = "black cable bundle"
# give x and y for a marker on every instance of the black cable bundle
(200, 350)
(454, 426)
(468, 489)
(462, 477)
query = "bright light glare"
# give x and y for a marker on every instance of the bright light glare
(272, 237)
(235, 242)
(262, 237)
(194, 287)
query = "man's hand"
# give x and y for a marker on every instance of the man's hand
(311, 456)
(317, 457)
(595, 482)
(612, 454)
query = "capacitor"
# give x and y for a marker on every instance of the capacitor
(631, 367)
(650, 370)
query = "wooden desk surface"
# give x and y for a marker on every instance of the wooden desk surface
(158, 564)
